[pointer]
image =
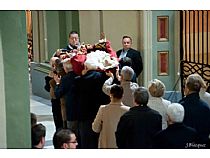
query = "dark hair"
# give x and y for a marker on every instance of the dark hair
(60, 137)
(208, 89)
(59, 67)
(117, 91)
(33, 119)
(37, 132)
(193, 84)
(127, 37)
(125, 61)
(73, 32)
(141, 96)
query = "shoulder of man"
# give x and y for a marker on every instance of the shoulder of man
(125, 108)
(118, 52)
(133, 50)
(155, 112)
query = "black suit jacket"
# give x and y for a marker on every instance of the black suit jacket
(176, 136)
(66, 89)
(135, 56)
(70, 47)
(197, 115)
(137, 127)
(89, 94)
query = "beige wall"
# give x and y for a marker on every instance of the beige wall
(119, 23)
(115, 24)
(89, 26)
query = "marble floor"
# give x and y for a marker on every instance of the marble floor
(42, 108)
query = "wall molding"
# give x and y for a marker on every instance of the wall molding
(3, 135)
(147, 46)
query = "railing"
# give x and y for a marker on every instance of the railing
(195, 44)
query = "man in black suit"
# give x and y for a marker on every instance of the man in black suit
(73, 41)
(90, 96)
(197, 111)
(176, 135)
(137, 127)
(135, 55)
(65, 88)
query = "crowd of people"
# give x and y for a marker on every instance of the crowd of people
(97, 102)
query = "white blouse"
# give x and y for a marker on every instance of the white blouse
(160, 105)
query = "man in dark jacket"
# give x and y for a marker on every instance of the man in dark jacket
(55, 102)
(90, 96)
(137, 127)
(176, 135)
(133, 54)
(65, 88)
(73, 41)
(197, 112)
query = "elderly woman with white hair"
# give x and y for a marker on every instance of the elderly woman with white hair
(156, 90)
(176, 135)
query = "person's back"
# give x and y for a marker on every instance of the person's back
(89, 89)
(176, 135)
(55, 102)
(156, 102)
(137, 127)
(140, 135)
(129, 88)
(125, 81)
(65, 88)
(197, 115)
(204, 95)
(89, 96)
(108, 117)
(197, 112)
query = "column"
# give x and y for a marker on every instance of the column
(14, 81)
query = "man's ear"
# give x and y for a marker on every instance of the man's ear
(134, 102)
(43, 141)
(65, 146)
(186, 91)
(169, 120)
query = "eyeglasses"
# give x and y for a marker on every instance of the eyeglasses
(74, 142)
(74, 38)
